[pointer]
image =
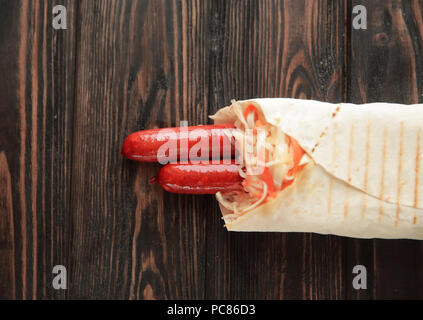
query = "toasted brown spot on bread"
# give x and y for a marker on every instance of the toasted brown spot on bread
(350, 152)
(330, 197)
(381, 211)
(347, 204)
(321, 136)
(382, 179)
(334, 114)
(397, 215)
(366, 165)
(363, 207)
(417, 172)
(366, 171)
(399, 185)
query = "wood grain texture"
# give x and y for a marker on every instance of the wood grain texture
(144, 66)
(386, 65)
(36, 94)
(70, 97)
(275, 49)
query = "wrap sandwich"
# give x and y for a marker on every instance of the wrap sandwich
(343, 169)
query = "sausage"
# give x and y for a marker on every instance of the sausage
(144, 145)
(199, 178)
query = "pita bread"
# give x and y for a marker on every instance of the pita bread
(365, 179)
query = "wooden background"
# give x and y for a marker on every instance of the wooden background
(69, 97)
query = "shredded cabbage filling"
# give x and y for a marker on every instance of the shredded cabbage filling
(267, 164)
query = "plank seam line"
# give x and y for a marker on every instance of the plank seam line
(71, 206)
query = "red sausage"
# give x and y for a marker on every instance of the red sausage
(199, 178)
(144, 145)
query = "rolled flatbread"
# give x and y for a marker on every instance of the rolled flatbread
(362, 174)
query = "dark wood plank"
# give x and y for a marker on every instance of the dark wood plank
(275, 49)
(36, 94)
(141, 64)
(386, 64)
(144, 64)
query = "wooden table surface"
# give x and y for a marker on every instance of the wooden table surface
(69, 97)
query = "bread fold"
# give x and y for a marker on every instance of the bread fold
(365, 177)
